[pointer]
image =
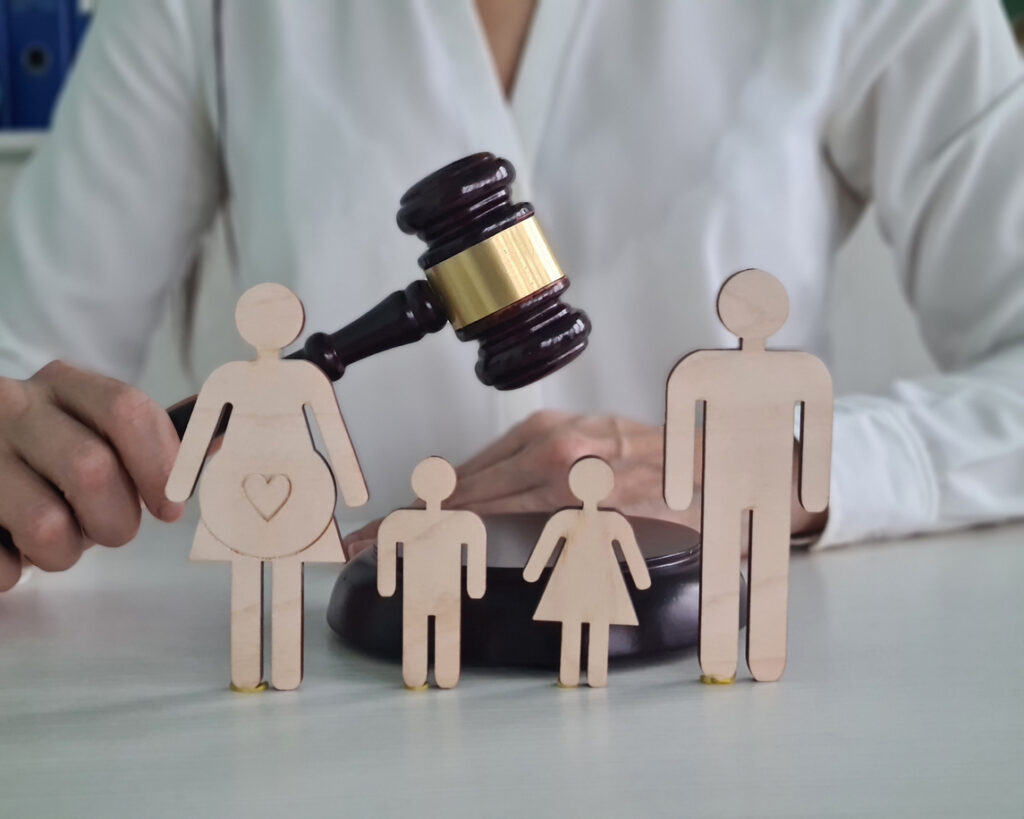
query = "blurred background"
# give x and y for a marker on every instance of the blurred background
(874, 336)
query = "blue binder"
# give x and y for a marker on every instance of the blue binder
(38, 41)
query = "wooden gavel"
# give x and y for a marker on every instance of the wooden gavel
(489, 271)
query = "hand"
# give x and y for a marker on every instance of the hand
(526, 470)
(76, 452)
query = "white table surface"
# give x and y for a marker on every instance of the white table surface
(904, 696)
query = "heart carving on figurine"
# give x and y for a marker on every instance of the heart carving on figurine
(267, 493)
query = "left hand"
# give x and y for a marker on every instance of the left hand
(526, 470)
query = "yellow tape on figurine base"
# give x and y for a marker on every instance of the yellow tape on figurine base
(239, 690)
(710, 679)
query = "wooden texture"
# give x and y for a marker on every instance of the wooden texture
(246, 623)
(267, 495)
(587, 584)
(750, 397)
(432, 542)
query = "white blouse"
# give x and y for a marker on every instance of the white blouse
(665, 145)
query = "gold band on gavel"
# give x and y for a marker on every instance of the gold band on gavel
(499, 271)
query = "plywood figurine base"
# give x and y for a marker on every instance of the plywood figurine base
(586, 584)
(749, 396)
(432, 542)
(267, 496)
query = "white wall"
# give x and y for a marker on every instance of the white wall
(874, 338)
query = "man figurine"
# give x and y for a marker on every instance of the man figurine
(432, 541)
(749, 398)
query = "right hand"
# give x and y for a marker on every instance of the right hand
(77, 451)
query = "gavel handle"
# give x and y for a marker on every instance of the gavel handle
(402, 318)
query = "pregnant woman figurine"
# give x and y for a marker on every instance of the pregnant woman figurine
(267, 495)
(586, 584)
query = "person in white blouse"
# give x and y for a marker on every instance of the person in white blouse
(665, 145)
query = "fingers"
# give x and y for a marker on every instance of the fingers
(360, 540)
(540, 499)
(139, 429)
(10, 566)
(85, 469)
(368, 532)
(357, 547)
(76, 451)
(537, 426)
(636, 492)
(513, 476)
(41, 523)
(540, 462)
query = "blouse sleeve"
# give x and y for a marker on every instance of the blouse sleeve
(928, 125)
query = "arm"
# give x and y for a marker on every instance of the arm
(101, 223)
(476, 556)
(631, 551)
(387, 557)
(816, 440)
(339, 446)
(109, 213)
(196, 441)
(553, 532)
(927, 123)
(680, 422)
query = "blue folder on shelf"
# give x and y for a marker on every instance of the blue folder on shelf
(38, 42)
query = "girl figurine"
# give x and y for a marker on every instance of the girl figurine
(586, 584)
(267, 495)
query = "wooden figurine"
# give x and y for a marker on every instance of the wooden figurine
(587, 584)
(267, 494)
(750, 396)
(432, 541)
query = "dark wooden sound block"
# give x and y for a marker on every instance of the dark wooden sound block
(498, 629)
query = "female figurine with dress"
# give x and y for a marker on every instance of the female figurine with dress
(587, 584)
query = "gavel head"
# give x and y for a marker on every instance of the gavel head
(488, 262)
